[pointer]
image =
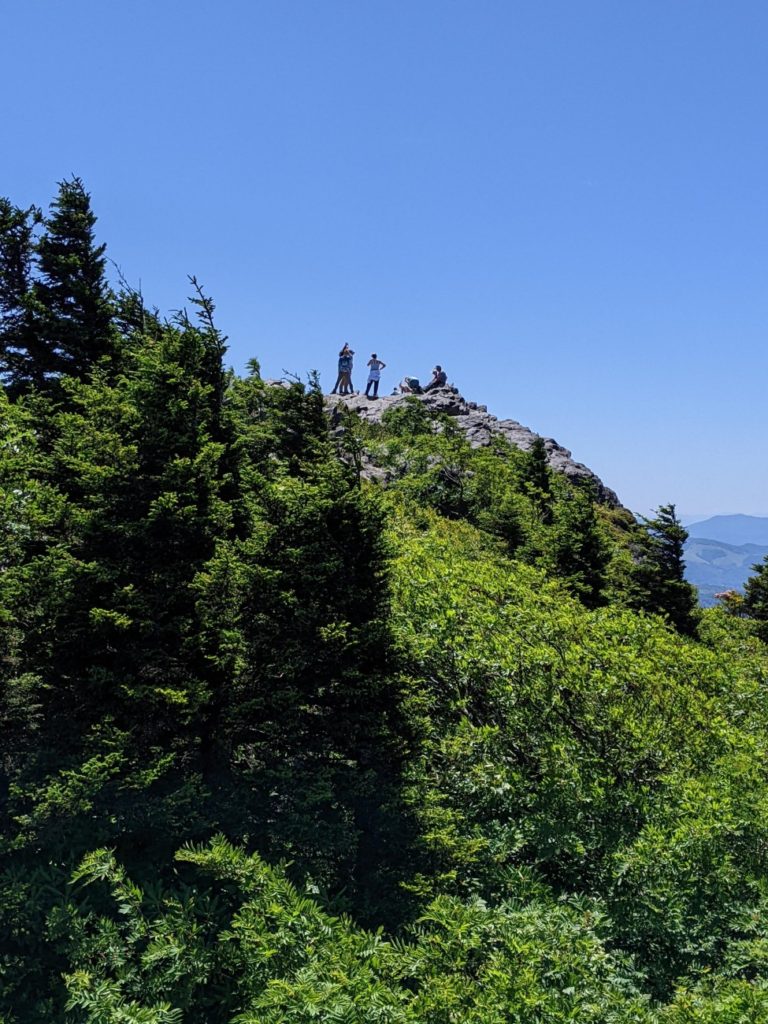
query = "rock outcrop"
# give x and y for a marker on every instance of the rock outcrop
(480, 427)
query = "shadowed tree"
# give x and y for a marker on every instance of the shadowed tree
(534, 476)
(579, 552)
(22, 351)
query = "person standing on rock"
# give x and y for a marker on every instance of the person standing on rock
(347, 382)
(344, 380)
(375, 366)
(439, 379)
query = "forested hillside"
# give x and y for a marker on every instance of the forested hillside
(282, 743)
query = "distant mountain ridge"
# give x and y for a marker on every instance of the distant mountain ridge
(732, 529)
(721, 551)
(714, 566)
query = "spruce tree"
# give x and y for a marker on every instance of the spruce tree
(72, 291)
(535, 479)
(56, 307)
(21, 346)
(578, 550)
(659, 578)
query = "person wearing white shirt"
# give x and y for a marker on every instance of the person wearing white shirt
(375, 366)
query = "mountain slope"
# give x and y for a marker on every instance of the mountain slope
(480, 428)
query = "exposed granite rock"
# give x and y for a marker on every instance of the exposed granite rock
(480, 427)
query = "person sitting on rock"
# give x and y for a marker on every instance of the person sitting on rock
(375, 366)
(344, 380)
(439, 379)
(410, 386)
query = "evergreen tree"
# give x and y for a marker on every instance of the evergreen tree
(292, 608)
(659, 582)
(535, 479)
(21, 346)
(56, 308)
(72, 290)
(756, 597)
(578, 551)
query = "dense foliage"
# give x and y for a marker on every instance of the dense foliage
(756, 597)
(282, 744)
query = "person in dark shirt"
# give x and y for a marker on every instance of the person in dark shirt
(439, 379)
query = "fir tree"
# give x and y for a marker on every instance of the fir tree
(659, 578)
(72, 291)
(535, 479)
(21, 347)
(56, 307)
(578, 551)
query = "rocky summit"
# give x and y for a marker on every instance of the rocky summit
(480, 427)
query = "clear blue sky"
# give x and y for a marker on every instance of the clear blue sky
(562, 201)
